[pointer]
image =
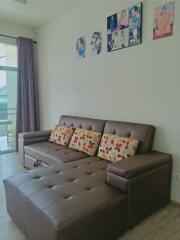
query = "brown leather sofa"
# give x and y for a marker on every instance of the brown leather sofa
(81, 197)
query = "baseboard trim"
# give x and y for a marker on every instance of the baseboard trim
(176, 204)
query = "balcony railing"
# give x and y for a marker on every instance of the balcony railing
(7, 130)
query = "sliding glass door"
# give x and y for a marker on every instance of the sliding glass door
(8, 97)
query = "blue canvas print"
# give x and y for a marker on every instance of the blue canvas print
(81, 47)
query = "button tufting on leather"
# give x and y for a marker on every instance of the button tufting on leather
(88, 188)
(70, 180)
(70, 197)
(37, 177)
(66, 153)
(66, 196)
(50, 186)
(89, 173)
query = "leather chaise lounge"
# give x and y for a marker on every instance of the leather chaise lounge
(72, 196)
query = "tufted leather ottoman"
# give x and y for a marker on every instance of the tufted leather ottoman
(68, 202)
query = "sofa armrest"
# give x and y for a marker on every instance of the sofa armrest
(146, 179)
(28, 138)
(35, 134)
(138, 164)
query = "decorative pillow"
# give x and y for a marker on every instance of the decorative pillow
(61, 134)
(115, 148)
(85, 141)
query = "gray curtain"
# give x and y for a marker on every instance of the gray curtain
(27, 92)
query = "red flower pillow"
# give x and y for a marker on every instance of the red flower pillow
(115, 148)
(61, 134)
(85, 141)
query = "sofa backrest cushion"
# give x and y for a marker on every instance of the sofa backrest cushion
(142, 132)
(95, 125)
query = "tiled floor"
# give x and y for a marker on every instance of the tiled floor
(163, 225)
(9, 165)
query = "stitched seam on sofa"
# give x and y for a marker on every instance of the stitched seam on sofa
(31, 203)
(41, 213)
(48, 156)
(139, 170)
(148, 171)
(145, 170)
(99, 208)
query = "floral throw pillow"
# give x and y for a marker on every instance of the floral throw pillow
(85, 140)
(115, 148)
(61, 134)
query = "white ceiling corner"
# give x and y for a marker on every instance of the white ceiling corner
(36, 12)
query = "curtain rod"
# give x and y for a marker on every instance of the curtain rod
(2, 35)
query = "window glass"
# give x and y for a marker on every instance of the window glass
(8, 97)
(8, 55)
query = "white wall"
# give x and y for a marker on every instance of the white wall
(15, 30)
(138, 84)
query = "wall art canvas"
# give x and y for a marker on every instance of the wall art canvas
(96, 43)
(124, 29)
(163, 21)
(81, 47)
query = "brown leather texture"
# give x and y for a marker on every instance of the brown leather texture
(71, 201)
(148, 192)
(36, 145)
(138, 164)
(77, 197)
(52, 153)
(30, 162)
(117, 181)
(35, 134)
(146, 178)
(142, 132)
(27, 138)
(95, 125)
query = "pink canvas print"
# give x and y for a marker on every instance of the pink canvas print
(163, 21)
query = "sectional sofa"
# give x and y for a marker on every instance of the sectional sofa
(68, 195)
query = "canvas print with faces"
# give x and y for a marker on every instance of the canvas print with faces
(163, 21)
(124, 29)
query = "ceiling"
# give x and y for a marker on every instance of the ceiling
(36, 12)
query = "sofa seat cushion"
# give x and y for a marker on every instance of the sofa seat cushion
(72, 200)
(52, 153)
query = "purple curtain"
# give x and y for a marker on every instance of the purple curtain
(27, 92)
